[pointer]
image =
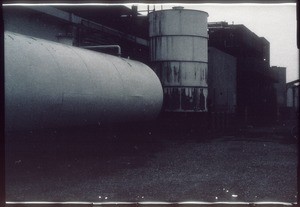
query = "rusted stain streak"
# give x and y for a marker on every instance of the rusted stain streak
(174, 39)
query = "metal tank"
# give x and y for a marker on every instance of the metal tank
(178, 47)
(48, 84)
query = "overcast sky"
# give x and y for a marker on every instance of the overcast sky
(275, 22)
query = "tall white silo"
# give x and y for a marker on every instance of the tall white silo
(178, 47)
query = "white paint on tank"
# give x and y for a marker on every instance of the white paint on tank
(48, 84)
(178, 22)
(178, 48)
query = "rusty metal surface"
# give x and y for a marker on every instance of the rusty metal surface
(182, 73)
(178, 48)
(48, 84)
(185, 99)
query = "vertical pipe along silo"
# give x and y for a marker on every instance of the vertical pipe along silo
(48, 84)
(178, 47)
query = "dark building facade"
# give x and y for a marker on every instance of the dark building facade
(221, 81)
(280, 87)
(256, 96)
(83, 26)
(293, 98)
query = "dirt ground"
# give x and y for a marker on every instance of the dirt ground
(86, 164)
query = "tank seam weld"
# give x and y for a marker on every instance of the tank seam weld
(193, 61)
(177, 35)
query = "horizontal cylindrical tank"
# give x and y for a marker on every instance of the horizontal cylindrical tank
(178, 48)
(48, 84)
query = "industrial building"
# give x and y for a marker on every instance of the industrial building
(292, 91)
(62, 24)
(221, 81)
(256, 95)
(281, 91)
(202, 67)
(280, 85)
(104, 106)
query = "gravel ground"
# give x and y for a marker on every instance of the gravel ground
(89, 165)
